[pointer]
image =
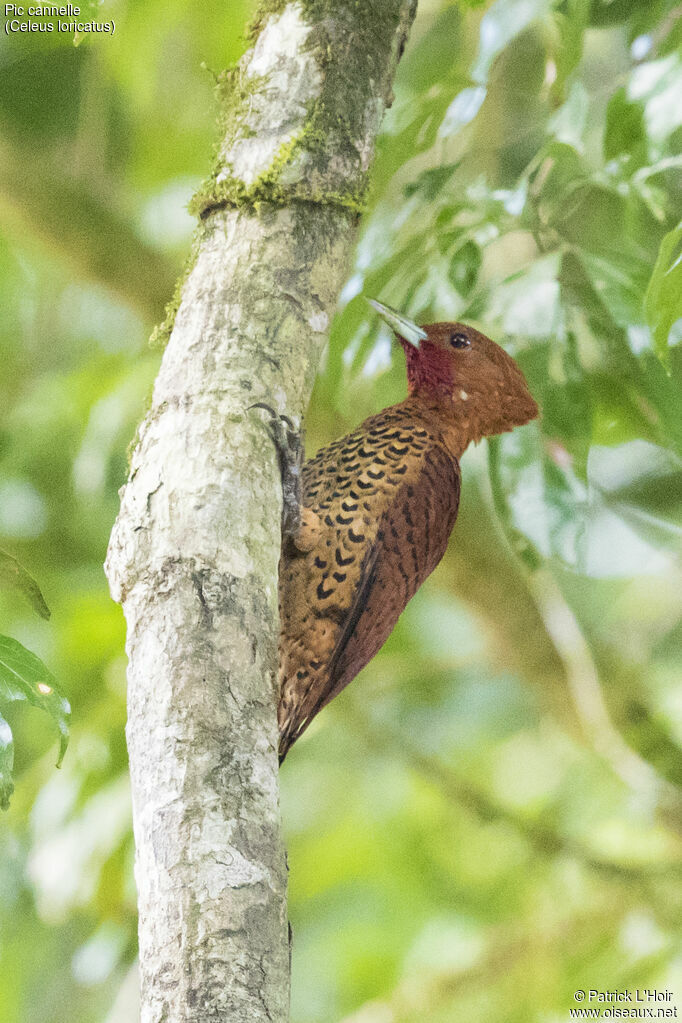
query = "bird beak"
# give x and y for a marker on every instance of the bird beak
(400, 324)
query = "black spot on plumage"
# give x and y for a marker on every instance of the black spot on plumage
(376, 475)
(427, 527)
(319, 563)
(340, 560)
(356, 537)
(340, 576)
(405, 577)
(322, 593)
(344, 520)
(363, 485)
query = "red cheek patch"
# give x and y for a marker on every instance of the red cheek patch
(429, 369)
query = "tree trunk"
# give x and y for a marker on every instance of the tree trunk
(194, 553)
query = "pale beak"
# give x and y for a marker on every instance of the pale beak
(400, 324)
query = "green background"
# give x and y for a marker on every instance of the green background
(490, 817)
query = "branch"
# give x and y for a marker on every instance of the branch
(626, 692)
(509, 953)
(194, 553)
(532, 630)
(82, 227)
(482, 570)
(641, 776)
(544, 839)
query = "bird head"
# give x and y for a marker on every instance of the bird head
(455, 366)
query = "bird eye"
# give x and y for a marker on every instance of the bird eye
(458, 340)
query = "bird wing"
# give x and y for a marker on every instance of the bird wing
(387, 498)
(410, 540)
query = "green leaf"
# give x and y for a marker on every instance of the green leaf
(625, 132)
(464, 267)
(23, 676)
(611, 12)
(14, 577)
(522, 546)
(663, 300)
(568, 52)
(623, 520)
(431, 182)
(642, 482)
(6, 763)
(558, 381)
(634, 520)
(501, 23)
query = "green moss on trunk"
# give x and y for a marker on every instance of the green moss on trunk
(325, 163)
(353, 46)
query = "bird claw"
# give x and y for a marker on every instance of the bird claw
(289, 446)
(277, 418)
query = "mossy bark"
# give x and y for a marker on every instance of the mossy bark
(194, 553)
(300, 120)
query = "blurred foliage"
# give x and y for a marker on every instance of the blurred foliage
(490, 817)
(23, 676)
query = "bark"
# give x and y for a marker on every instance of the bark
(194, 553)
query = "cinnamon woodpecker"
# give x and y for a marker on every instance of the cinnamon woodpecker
(377, 508)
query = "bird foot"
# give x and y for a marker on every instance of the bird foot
(299, 524)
